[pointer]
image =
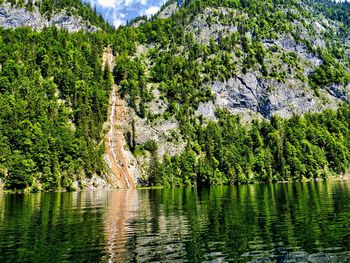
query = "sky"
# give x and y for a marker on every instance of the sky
(118, 12)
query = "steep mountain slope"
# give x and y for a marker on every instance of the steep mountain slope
(214, 92)
(269, 59)
(212, 59)
(53, 101)
(116, 156)
(53, 96)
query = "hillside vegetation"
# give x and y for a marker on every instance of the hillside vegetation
(54, 96)
(212, 59)
(219, 92)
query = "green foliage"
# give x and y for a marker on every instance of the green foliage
(53, 102)
(54, 96)
(53, 99)
(336, 10)
(227, 152)
(129, 75)
(330, 72)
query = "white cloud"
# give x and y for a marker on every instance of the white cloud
(118, 12)
(107, 3)
(118, 22)
(152, 10)
(128, 2)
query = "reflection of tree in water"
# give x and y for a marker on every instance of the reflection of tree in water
(159, 234)
(57, 227)
(2, 210)
(254, 223)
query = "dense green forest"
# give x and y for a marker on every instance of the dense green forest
(53, 102)
(337, 10)
(54, 97)
(182, 67)
(227, 152)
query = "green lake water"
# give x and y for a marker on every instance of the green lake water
(300, 222)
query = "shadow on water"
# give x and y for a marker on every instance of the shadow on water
(301, 222)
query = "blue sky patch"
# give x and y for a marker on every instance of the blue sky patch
(118, 12)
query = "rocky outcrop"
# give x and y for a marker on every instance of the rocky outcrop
(93, 183)
(167, 11)
(252, 92)
(290, 62)
(265, 96)
(288, 44)
(13, 17)
(164, 132)
(207, 25)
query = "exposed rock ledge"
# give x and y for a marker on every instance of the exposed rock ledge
(249, 93)
(11, 17)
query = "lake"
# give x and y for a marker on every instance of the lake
(296, 222)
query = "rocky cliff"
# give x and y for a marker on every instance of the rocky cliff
(290, 57)
(14, 17)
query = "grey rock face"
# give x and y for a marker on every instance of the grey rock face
(289, 61)
(167, 11)
(11, 17)
(138, 23)
(162, 133)
(339, 92)
(288, 44)
(267, 97)
(205, 29)
(72, 24)
(207, 109)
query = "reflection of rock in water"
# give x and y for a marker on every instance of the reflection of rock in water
(160, 236)
(167, 243)
(121, 210)
(291, 257)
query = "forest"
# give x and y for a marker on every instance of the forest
(227, 152)
(54, 96)
(53, 102)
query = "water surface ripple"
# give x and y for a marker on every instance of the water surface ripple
(299, 222)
